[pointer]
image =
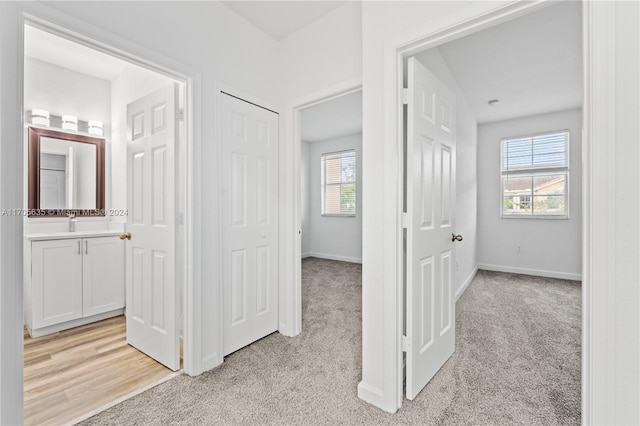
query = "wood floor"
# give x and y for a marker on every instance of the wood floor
(74, 372)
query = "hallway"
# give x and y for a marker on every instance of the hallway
(517, 360)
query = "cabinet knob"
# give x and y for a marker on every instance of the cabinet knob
(127, 236)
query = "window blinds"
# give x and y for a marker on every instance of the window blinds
(339, 183)
(531, 153)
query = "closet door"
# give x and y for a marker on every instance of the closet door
(249, 166)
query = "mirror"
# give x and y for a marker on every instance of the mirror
(66, 174)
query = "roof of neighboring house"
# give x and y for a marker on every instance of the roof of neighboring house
(512, 184)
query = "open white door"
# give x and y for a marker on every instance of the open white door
(431, 171)
(152, 291)
(249, 166)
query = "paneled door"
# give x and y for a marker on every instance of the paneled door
(152, 290)
(431, 171)
(249, 166)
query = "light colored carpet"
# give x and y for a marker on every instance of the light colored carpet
(517, 361)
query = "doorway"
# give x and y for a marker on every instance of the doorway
(530, 108)
(68, 79)
(331, 179)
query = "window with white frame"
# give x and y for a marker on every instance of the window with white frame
(535, 175)
(338, 183)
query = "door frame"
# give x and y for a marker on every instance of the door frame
(395, 51)
(291, 284)
(70, 28)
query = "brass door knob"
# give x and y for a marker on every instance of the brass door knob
(127, 236)
(455, 237)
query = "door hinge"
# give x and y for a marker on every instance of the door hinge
(181, 114)
(405, 220)
(405, 96)
(406, 344)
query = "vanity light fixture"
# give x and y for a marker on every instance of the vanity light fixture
(70, 122)
(95, 127)
(40, 117)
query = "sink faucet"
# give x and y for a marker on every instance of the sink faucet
(72, 221)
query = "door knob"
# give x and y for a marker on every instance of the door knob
(455, 237)
(127, 236)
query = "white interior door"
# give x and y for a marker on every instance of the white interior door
(152, 291)
(249, 166)
(430, 308)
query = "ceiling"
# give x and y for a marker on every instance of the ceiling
(532, 64)
(337, 117)
(279, 19)
(62, 52)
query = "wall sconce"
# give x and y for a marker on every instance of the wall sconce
(70, 122)
(40, 117)
(95, 127)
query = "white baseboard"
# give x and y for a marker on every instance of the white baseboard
(332, 257)
(466, 283)
(535, 272)
(305, 255)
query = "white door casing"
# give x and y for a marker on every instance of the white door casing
(152, 290)
(249, 167)
(430, 312)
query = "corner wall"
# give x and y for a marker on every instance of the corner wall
(549, 247)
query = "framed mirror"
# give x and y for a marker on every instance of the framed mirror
(65, 174)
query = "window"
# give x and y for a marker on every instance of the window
(535, 175)
(339, 183)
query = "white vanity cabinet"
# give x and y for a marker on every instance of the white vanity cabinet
(72, 281)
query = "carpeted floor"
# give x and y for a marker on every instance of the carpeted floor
(517, 361)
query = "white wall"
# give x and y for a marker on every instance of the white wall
(61, 91)
(331, 237)
(550, 247)
(11, 196)
(611, 295)
(466, 174)
(304, 199)
(323, 54)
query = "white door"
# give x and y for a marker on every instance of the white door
(249, 165)
(102, 275)
(430, 321)
(152, 290)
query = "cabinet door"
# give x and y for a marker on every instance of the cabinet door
(56, 281)
(103, 275)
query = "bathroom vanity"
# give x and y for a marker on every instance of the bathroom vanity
(72, 278)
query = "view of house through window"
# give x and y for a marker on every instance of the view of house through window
(338, 183)
(535, 175)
